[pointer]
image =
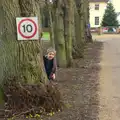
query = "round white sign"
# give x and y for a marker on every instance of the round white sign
(27, 28)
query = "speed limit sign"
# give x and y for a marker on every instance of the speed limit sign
(27, 28)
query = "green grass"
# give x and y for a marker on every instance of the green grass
(46, 36)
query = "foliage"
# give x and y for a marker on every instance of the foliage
(110, 17)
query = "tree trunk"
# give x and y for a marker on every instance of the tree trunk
(21, 59)
(78, 43)
(1, 72)
(22, 73)
(82, 21)
(50, 9)
(88, 35)
(68, 24)
(33, 71)
(51, 29)
(21, 65)
(59, 34)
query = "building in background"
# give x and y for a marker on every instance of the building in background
(97, 10)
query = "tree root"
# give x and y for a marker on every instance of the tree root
(31, 99)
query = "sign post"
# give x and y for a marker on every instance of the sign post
(27, 28)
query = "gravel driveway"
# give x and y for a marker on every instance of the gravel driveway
(110, 78)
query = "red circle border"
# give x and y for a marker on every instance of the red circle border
(27, 19)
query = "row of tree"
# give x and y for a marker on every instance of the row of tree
(69, 30)
(21, 61)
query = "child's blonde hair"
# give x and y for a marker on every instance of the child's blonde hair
(51, 50)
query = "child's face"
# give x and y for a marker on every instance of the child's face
(51, 55)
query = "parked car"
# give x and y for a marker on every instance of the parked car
(105, 30)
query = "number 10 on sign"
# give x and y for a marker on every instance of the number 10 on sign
(27, 28)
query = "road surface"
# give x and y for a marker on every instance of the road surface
(109, 108)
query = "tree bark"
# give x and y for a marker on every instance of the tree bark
(1, 72)
(21, 59)
(34, 73)
(8, 44)
(88, 35)
(68, 26)
(50, 9)
(59, 34)
(82, 21)
(22, 74)
(78, 43)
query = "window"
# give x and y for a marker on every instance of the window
(96, 6)
(96, 20)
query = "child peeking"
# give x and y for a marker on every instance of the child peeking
(50, 63)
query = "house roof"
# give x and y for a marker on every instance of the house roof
(98, 0)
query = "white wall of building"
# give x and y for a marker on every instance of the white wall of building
(97, 13)
(116, 4)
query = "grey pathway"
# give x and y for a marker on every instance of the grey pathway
(109, 108)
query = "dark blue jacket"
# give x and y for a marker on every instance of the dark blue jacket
(50, 65)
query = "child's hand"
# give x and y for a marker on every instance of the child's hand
(53, 76)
